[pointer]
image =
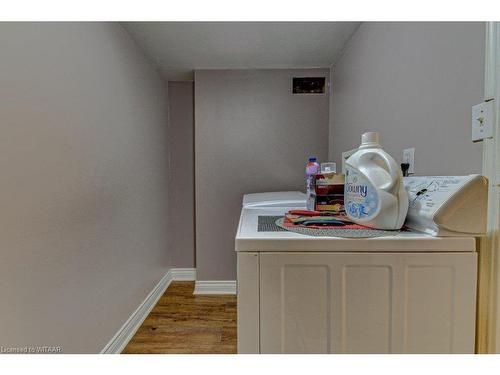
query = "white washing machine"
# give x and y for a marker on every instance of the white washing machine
(408, 293)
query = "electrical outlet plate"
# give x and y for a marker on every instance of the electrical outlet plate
(409, 157)
(482, 121)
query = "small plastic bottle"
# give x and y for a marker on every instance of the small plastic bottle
(312, 168)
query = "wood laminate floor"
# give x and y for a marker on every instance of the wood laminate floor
(185, 323)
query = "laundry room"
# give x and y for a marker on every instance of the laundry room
(209, 187)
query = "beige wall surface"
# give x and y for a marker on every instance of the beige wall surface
(181, 185)
(415, 83)
(83, 219)
(251, 135)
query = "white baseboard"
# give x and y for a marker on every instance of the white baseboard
(215, 287)
(130, 327)
(183, 274)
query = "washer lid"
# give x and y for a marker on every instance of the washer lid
(275, 199)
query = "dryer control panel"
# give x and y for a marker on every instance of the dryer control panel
(447, 205)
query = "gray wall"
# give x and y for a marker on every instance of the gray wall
(181, 187)
(415, 83)
(251, 135)
(84, 183)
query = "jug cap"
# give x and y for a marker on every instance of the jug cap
(369, 139)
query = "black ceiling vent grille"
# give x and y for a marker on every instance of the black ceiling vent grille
(308, 85)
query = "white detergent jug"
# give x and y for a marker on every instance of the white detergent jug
(374, 194)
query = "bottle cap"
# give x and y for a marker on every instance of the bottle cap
(370, 139)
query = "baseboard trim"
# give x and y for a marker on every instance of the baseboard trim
(215, 287)
(130, 327)
(184, 274)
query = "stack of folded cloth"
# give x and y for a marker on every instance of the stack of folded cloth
(329, 189)
(317, 219)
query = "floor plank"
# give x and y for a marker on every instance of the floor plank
(185, 323)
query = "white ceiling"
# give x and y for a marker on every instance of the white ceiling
(178, 48)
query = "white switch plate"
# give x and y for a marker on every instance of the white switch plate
(409, 157)
(482, 121)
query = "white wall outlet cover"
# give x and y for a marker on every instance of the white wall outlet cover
(482, 121)
(409, 157)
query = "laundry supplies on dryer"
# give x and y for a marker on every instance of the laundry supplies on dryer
(374, 194)
(312, 168)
